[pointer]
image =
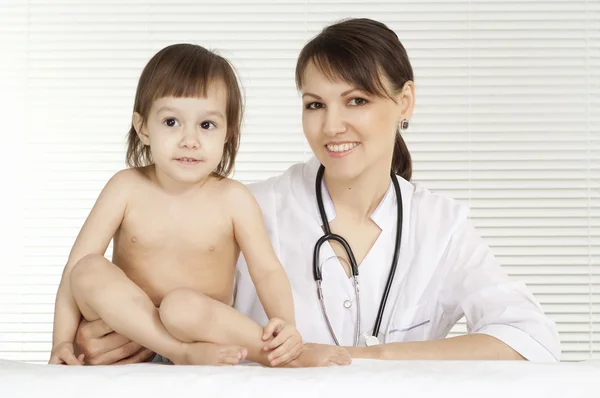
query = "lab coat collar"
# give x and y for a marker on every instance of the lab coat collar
(380, 216)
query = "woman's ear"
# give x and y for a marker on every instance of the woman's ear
(140, 129)
(406, 101)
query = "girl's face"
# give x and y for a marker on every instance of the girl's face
(348, 130)
(186, 135)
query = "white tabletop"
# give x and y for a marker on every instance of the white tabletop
(366, 378)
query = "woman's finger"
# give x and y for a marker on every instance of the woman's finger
(141, 356)
(118, 355)
(55, 360)
(70, 359)
(341, 360)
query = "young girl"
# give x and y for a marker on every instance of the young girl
(178, 225)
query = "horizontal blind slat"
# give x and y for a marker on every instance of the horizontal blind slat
(507, 123)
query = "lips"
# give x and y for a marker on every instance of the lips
(187, 160)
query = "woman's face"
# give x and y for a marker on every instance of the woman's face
(348, 130)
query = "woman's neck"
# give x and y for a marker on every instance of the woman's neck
(359, 197)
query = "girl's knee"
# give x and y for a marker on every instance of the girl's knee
(85, 273)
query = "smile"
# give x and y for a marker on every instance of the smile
(341, 149)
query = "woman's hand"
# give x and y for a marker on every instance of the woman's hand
(63, 354)
(100, 345)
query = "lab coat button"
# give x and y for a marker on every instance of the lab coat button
(347, 303)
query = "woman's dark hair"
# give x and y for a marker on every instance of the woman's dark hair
(361, 52)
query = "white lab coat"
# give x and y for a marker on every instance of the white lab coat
(445, 271)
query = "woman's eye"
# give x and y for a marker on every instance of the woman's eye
(357, 101)
(171, 122)
(207, 125)
(314, 105)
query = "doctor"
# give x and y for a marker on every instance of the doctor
(415, 264)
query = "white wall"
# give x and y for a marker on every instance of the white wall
(507, 121)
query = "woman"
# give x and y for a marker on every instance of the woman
(358, 94)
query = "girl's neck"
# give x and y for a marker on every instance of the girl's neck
(173, 187)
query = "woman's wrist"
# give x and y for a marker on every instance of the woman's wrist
(372, 352)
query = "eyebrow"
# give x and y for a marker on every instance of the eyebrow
(165, 108)
(341, 95)
(211, 113)
(215, 113)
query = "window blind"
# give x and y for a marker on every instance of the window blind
(507, 121)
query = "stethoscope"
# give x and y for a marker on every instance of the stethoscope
(373, 339)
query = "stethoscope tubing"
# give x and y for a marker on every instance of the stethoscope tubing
(317, 267)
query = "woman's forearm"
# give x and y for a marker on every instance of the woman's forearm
(467, 347)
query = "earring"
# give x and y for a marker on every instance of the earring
(404, 124)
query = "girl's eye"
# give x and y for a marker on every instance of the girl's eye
(357, 101)
(171, 122)
(314, 105)
(208, 125)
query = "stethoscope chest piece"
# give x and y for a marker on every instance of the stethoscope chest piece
(371, 341)
(368, 339)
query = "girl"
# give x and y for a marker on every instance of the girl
(178, 225)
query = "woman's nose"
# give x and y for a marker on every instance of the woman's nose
(334, 122)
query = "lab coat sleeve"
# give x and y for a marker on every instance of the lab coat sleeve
(477, 287)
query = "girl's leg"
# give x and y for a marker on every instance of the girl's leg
(102, 290)
(190, 316)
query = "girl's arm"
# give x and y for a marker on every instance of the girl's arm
(94, 237)
(267, 273)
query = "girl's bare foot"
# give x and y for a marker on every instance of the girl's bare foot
(319, 355)
(211, 354)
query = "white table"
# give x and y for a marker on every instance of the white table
(365, 378)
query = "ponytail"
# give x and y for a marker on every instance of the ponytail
(401, 160)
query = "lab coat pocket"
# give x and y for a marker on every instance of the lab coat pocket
(410, 323)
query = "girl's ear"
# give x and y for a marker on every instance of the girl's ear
(140, 128)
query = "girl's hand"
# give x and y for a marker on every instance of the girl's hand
(285, 342)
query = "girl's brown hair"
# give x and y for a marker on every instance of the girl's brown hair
(186, 70)
(360, 52)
